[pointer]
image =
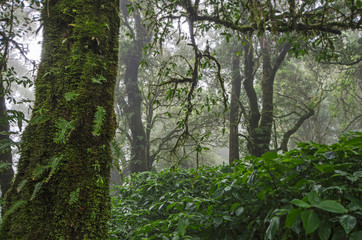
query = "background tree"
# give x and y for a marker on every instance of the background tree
(61, 189)
(131, 57)
(312, 24)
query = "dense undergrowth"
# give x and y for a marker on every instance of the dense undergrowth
(312, 192)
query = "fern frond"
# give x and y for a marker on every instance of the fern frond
(36, 190)
(74, 196)
(64, 128)
(99, 117)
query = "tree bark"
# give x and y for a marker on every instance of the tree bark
(132, 60)
(297, 125)
(260, 123)
(61, 190)
(234, 109)
(254, 113)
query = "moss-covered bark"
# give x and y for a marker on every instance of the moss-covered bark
(7, 173)
(61, 190)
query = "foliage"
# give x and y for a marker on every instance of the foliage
(312, 192)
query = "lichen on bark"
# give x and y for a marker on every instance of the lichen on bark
(61, 190)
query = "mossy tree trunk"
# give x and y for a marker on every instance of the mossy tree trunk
(61, 190)
(6, 173)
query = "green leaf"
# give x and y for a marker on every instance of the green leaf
(356, 235)
(348, 222)
(300, 203)
(358, 174)
(354, 141)
(239, 211)
(332, 206)
(269, 156)
(235, 205)
(355, 204)
(330, 155)
(218, 193)
(325, 168)
(324, 231)
(171, 206)
(181, 227)
(310, 221)
(292, 217)
(272, 229)
(218, 221)
(314, 198)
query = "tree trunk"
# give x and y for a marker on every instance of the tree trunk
(61, 190)
(138, 147)
(6, 173)
(254, 113)
(234, 109)
(132, 60)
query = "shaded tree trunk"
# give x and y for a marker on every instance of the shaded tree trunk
(234, 109)
(138, 147)
(253, 114)
(260, 123)
(132, 59)
(291, 131)
(61, 190)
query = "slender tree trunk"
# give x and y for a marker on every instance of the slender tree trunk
(138, 147)
(297, 125)
(234, 109)
(7, 173)
(61, 190)
(132, 61)
(254, 113)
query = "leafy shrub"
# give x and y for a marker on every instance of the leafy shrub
(312, 192)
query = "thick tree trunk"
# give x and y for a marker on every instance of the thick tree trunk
(61, 190)
(260, 124)
(234, 110)
(7, 173)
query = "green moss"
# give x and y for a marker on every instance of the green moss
(80, 38)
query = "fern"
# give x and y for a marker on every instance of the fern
(21, 185)
(53, 165)
(38, 171)
(5, 145)
(64, 128)
(99, 117)
(70, 96)
(100, 79)
(36, 190)
(14, 207)
(4, 165)
(74, 196)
